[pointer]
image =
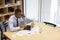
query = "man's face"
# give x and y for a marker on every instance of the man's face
(18, 15)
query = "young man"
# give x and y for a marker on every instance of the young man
(14, 23)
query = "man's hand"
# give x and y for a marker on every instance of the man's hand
(22, 15)
(22, 26)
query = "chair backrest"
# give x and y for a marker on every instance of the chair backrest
(50, 24)
(3, 27)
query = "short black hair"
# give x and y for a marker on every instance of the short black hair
(17, 11)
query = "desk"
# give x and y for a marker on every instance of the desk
(47, 33)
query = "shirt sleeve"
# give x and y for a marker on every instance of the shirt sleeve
(24, 19)
(11, 26)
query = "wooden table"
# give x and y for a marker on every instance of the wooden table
(47, 33)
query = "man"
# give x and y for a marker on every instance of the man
(14, 23)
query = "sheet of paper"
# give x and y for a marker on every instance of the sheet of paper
(34, 30)
(24, 32)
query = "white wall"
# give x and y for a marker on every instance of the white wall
(31, 9)
(45, 10)
(57, 15)
(53, 10)
(49, 9)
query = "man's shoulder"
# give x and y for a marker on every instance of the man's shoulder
(12, 17)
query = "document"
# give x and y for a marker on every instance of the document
(33, 31)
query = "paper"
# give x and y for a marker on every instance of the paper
(23, 32)
(34, 30)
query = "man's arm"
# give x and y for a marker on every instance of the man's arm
(11, 26)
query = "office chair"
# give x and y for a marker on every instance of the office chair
(3, 28)
(50, 24)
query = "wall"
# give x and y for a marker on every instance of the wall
(45, 10)
(53, 10)
(31, 9)
(57, 15)
(49, 11)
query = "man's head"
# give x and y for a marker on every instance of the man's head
(18, 13)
